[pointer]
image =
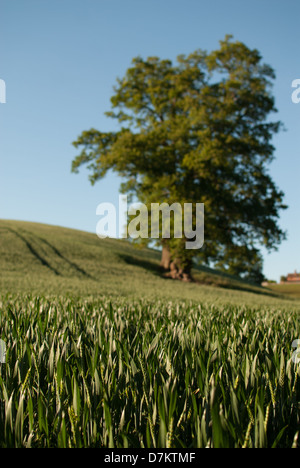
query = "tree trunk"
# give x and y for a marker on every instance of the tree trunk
(177, 271)
(173, 267)
(165, 258)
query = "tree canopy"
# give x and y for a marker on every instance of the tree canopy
(198, 130)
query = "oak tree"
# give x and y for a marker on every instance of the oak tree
(198, 130)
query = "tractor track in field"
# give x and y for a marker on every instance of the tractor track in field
(62, 257)
(30, 247)
(39, 240)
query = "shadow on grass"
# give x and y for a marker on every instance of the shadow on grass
(154, 268)
(216, 281)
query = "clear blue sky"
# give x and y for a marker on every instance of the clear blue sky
(60, 60)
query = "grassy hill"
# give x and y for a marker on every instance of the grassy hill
(291, 290)
(44, 259)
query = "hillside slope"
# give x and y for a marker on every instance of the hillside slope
(47, 259)
(291, 290)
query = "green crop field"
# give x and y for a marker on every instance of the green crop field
(291, 290)
(101, 351)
